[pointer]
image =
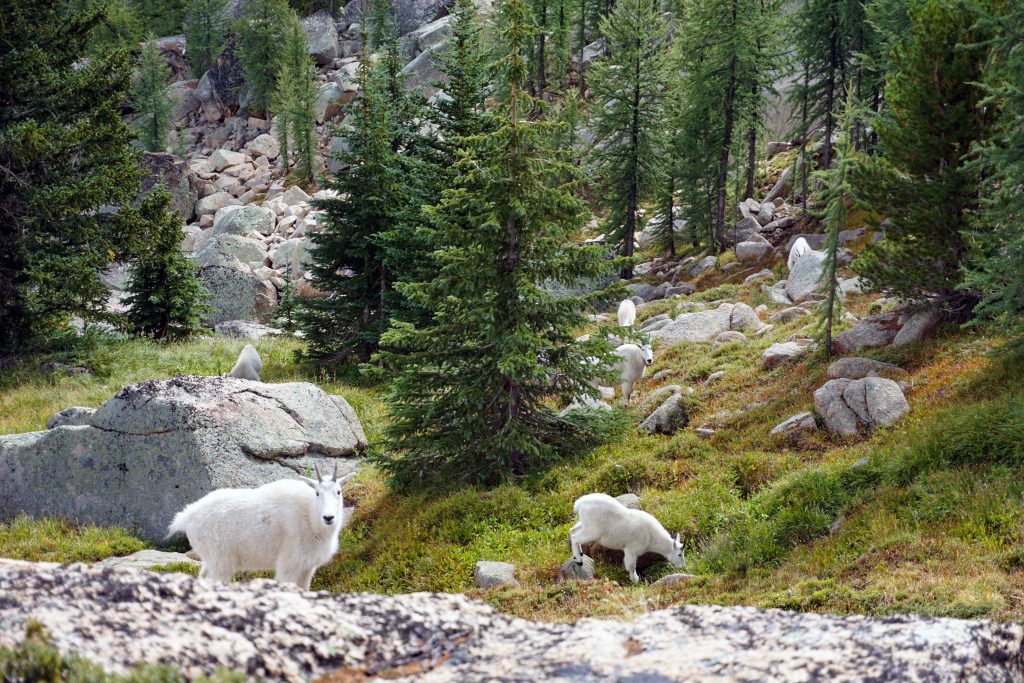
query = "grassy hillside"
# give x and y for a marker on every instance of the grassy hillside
(922, 517)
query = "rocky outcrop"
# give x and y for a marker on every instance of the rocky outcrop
(321, 36)
(850, 406)
(871, 333)
(176, 177)
(158, 445)
(121, 617)
(408, 15)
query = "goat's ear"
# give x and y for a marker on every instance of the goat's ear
(346, 478)
(307, 481)
(678, 542)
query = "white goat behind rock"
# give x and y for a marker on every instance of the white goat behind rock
(290, 526)
(633, 362)
(799, 248)
(627, 313)
(607, 522)
(248, 365)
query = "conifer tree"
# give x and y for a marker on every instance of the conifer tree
(205, 33)
(462, 113)
(997, 271)
(165, 296)
(119, 27)
(65, 153)
(627, 116)
(295, 103)
(260, 34)
(160, 17)
(151, 99)
(348, 254)
(470, 398)
(921, 179)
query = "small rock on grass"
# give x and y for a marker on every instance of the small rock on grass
(492, 574)
(571, 571)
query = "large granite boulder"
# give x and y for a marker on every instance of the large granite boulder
(243, 220)
(321, 36)
(173, 175)
(806, 276)
(119, 618)
(236, 293)
(872, 332)
(785, 352)
(408, 15)
(859, 368)
(670, 417)
(849, 406)
(699, 326)
(158, 445)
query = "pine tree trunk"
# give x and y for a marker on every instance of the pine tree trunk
(830, 91)
(803, 141)
(751, 161)
(633, 198)
(723, 160)
(669, 215)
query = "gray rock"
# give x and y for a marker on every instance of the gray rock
(699, 326)
(815, 241)
(760, 275)
(728, 337)
(669, 418)
(848, 406)
(657, 397)
(119, 619)
(629, 500)
(492, 574)
(917, 327)
(183, 99)
(779, 224)
(337, 147)
(806, 276)
(704, 432)
(845, 236)
(244, 220)
(212, 203)
(237, 295)
(329, 100)
(321, 37)
(773, 148)
(427, 36)
(264, 145)
(715, 376)
(589, 54)
(661, 317)
(209, 101)
(743, 317)
(747, 208)
(703, 266)
(571, 571)
(674, 579)
(407, 14)
(777, 294)
(683, 289)
(871, 333)
(801, 422)
(422, 73)
(159, 445)
(858, 368)
(753, 250)
(789, 314)
(745, 230)
(227, 250)
(225, 158)
(640, 289)
(147, 559)
(766, 213)
(174, 176)
(785, 352)
(75, 416)
(781, 186)
(245, 330)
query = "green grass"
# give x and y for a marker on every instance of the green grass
(932, 524)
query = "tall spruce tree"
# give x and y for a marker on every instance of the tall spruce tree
(461, 113)
(205, 33)
(627, 117)
(470, 398)
(160, 17)
(997, 270)
(165, 296)
(65, 154)
(295, 103)
(151, 99)
(921, 179)
(348, 254)
(260, 35)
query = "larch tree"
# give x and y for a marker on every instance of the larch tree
(151, 99)
(472, 398)
(626, 117)
(205, 33)
(260, 35)
(294, 102)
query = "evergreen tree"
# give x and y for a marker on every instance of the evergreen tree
(260, 34)
(295, 103)
(921, 179)
(839, 200)
(470, 398)
(997, 272)
(627, 116)
(117, 28)
(165, 297)
(287, 310)
(348, 254)
(205, 33)
(160, 17)
(151, 99)
(462, 113)
(65, 154)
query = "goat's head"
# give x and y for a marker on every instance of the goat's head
(678, 556)
(648, 354)
(329, 505)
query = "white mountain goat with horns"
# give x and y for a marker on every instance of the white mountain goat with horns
(290, 526)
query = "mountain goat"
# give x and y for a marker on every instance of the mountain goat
(799, 248)
(627, 313)
(605, 521)
(289, 525)
(633, 362)
(248, 365)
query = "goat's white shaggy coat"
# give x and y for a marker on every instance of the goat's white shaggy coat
(290, 526)
(633, 362)
(605, 521)
(799, 248)
(627, 313)
(248, 365)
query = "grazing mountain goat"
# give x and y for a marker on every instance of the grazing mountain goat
(799, 248)
(633, 362)
(290, 526)
(605, 521)
(248, 365)
(627, 313)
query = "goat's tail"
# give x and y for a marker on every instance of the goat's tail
(180, 523)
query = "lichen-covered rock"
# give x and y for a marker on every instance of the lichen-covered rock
(784, 352)
(321, 36)
(492, 574)
(176, 177)
(629, 500)
(75, 416)
(871, 333)
(570, 570)
(858, 368)
(848, 406)
(243, 220)
(703, 266)
(670, 417)
(742, 317)
(121, 617)
(243, 329)
(699, 326)
(801, 422)
(805, 278)
(147, 559)
(728, 337)
(916, 327)
(159, 445)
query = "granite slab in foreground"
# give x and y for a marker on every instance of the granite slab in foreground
(119, 617)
